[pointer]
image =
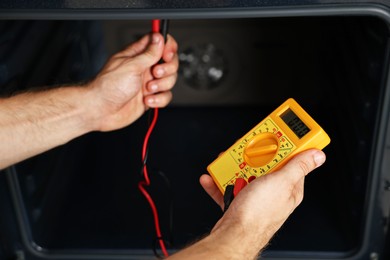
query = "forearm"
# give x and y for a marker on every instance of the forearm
(227, 241)
(35, 122)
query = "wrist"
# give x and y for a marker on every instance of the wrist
(240, 239)
(75, 110)
(92, 108)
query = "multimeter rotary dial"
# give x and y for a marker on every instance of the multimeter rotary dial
(261, 149)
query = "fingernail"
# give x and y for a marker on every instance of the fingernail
(155, 38)
(159, 72)
(170, 56)
(151, 101)
(319, 158)
(153, 88)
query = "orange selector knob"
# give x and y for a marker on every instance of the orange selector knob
(261, 150)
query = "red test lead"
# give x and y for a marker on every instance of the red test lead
(232, 191)
(146, 182)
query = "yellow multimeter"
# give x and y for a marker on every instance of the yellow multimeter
(269, 145)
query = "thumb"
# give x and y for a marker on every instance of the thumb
(152, 54)
(303, 163)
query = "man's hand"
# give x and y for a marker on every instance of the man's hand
(273, 197)
(257, 212)
(130, 82)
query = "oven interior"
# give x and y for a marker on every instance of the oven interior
(83, 196)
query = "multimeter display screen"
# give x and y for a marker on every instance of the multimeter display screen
(295, 123)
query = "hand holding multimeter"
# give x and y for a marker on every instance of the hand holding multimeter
(266, 147)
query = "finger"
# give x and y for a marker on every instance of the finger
(166, 69)
(303, 163)
(160, 85)
(152, 54)
(161, 99)
(135, 48)
(170, 49)
(212, 190)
